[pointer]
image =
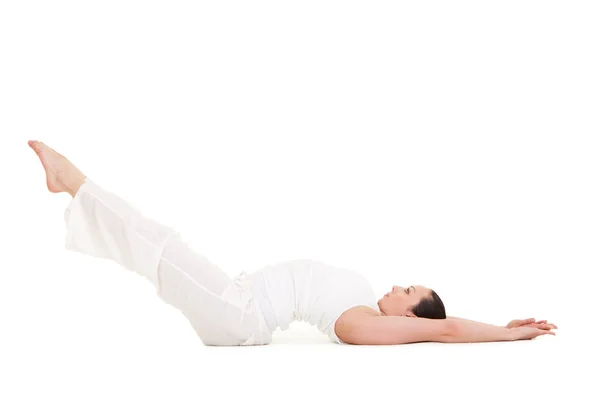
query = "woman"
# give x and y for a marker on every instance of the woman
(246, 310)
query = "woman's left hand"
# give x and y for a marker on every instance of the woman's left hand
(531, 323)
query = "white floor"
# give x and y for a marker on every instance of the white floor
(121, 343)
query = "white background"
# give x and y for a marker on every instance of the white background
(449, 144)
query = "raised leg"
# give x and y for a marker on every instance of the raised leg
(102, 224)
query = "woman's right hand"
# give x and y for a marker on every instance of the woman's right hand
(526, 333)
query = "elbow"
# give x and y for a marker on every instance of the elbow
(449, 331)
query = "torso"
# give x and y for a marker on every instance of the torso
(313, 292)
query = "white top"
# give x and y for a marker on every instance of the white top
(309, 291)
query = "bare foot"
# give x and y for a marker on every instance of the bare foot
(61, 174)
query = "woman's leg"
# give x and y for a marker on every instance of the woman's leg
(217, 307)
(102, 224)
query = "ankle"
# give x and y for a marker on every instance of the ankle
(74, 184)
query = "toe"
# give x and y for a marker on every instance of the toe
(45, 147)
(38, 147)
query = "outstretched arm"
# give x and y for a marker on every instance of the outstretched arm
(515, 323)
(462, 319)
(465, 330)
(364, 329)
(472, 321)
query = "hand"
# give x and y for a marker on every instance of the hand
(531, 323)
(526, 333)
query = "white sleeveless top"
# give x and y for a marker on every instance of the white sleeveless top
(309, 291)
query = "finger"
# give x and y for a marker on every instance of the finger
(521, 322)
(544, 326)
(535, 325)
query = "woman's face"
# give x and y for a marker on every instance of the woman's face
(401, 300)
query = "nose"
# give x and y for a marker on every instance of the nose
(396, 288)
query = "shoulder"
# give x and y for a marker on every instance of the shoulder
(358, 312)
(352, 318)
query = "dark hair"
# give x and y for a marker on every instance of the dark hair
(430, 307)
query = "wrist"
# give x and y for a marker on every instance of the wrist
(510, 334)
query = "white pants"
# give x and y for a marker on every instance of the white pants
(221, 310)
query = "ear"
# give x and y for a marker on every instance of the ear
(410, 314)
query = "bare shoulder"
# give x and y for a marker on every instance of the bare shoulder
(358, 312)
(352, 318)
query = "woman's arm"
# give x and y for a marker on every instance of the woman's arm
(365, 329)
(461, 319)
(515, 323)
(472, 331)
